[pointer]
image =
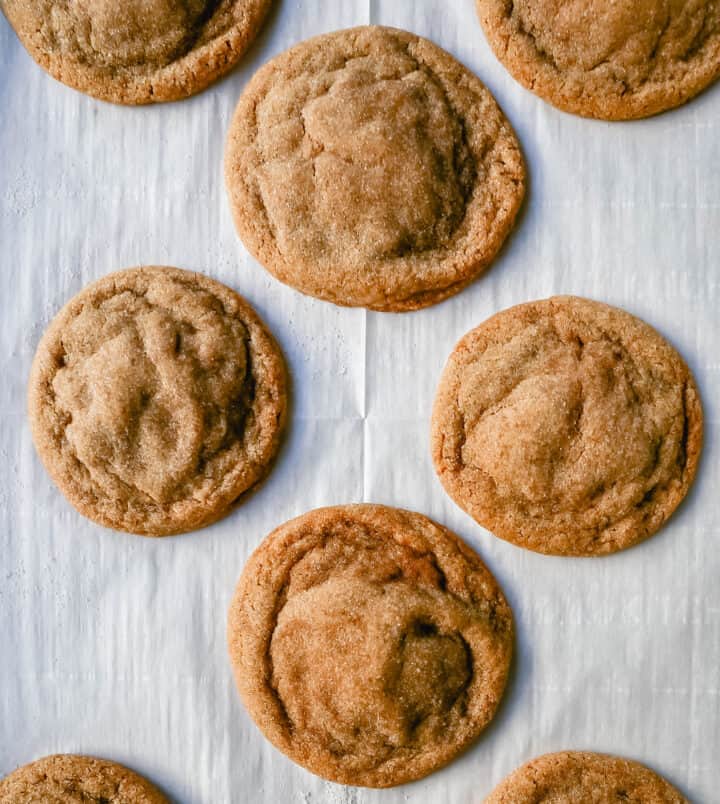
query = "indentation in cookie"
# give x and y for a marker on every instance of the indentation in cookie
(368, 643)
(365, 667)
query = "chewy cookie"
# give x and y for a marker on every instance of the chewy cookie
(136, 51)
(610, 59)
(369, 168)
(66, 778)
(369, 644)
(579, 777)
(157, 397)
(567, 426)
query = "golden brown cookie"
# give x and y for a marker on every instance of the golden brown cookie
(567, 426)
(136, 51)
(369, 168)
(369, 644)
(67, 778)
(580, 777)
(611, 59)
(157, 398)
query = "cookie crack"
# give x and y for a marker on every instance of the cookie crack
(238, 410)
(594, 502)
(464, 166)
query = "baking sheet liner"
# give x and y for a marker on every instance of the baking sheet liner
(114, 645)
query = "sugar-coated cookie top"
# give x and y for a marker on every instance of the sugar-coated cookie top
(136, 51)
(567, 426)
(368, 167)
(71, 779)
(156, 399)
(580, 777)
(369, 644)
(612, 59)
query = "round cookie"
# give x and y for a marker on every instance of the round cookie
(157, 398)
(67, 778)
(369, 644)
(136, 51)
(610, 59)
(577, 777)
(567, 427)
(369, 168)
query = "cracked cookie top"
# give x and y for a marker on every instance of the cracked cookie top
(369, 644)
(612, 59)
(567, 426)
(136, 51)
(578, 777)
(157, 397)
(66, 779)
(369, 168)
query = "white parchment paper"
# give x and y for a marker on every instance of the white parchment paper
(114, 645)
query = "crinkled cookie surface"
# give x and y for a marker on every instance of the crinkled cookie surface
(136, 51)
(369, 168)
(567, 426)
(610, 59)
(157, 397)
(369, 644)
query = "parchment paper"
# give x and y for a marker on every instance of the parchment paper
(114, 645)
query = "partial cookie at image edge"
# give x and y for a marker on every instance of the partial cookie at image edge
(68, 778)
(581, 774)
(222, 43)
(604, 91)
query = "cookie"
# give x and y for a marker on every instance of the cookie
(66, 778)
(157, 398)
(136, 51)
(369, 168)
(369, 644)
(577, 777)
(567, 427)
(610, 59)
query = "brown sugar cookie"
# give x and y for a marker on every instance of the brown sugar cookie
(157, 397)
(567, 427)
(369, 644)
(610, 59)
(136, 51)
(580, 777)
(369, 168)
(70, 779)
